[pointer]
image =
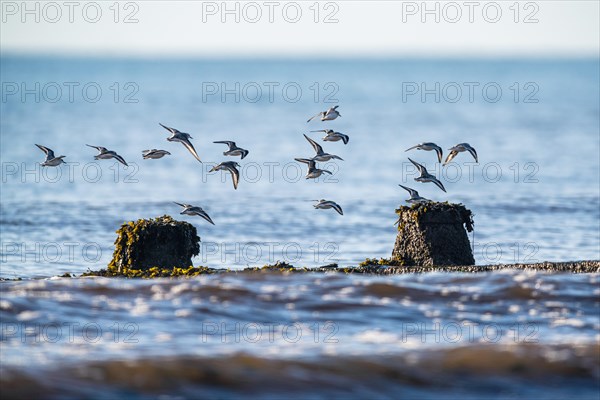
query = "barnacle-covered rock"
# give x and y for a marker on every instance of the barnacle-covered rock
(149, 243)
(433, 234)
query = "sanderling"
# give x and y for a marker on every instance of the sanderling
(333, 136)
(460, 148)
(51, 160)
(193, 210)
(313, 171)
(229, 166)
(414, 196)
(321, 155)
(328, 115)
(428, 146)
(324, 204)
(426, 176)
(154, 154)
(233, 149)
(183, 138)
(105, 154)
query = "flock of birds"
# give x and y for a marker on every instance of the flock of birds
(425, 176)
(313, 172)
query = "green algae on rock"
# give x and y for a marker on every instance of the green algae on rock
(433, 234)
(280, 266)
(575, 267)
(161, 242)
(155, 272)
(368, 267)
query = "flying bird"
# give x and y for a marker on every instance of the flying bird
(154, 154)
(188, 209)
(321, 155)
(313, 171)
(428, 146)
(458, 149)
(414, 196)
(333, 136)
(183, 138)
(233, 149)
(51, 160)
(325, 204)
(329, 115)
(426, 176)
(105, 154)
(229, 166)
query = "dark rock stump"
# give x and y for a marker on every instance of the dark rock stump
(433, 234)
(161, 242)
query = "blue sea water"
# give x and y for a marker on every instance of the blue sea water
(535, 194)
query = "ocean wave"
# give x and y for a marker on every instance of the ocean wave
(491, 371)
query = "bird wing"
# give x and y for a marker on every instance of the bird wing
(179, 204)
(188, 145)
(49, 152)
(304, 160)
(337, 208)
(451, 156)
(99, 148)
(315, 116)
(419, 166)
(414, 147)
(413, 193)
(316, 146)
(228, 143)
(216, 167)
(172, 130)
(345, 138)
(120, 159)
(438, 183)
(204, 215)
(473, 153)
(235, 175)
(439, 152)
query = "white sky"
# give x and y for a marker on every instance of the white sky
(363, 28)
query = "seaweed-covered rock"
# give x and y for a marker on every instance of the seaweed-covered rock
(433, 234)
(160, 242)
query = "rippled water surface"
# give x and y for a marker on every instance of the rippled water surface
(500, 334)
(504, 333)
(534, 193)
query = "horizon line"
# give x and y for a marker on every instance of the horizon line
(304, 57)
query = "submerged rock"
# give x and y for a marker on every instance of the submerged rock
(148, 243)
(433, 234)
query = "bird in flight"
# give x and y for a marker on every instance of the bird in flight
(105, 154)
(329, 115)
(51, 160)
(183, 138)
(189, 209)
